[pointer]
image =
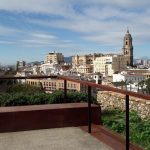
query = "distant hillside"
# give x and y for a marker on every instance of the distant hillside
(145, 57)
(34, 63)
(68, 59)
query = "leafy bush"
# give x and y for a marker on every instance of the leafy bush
(139, 129)
(24, 88)
(18, 98)
(76, 97)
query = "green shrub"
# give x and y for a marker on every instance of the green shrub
(24, 88)
(13, 98)
(139, 129)
(76, 97)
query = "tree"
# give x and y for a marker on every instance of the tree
(24, 88)
(147, 83)
(141, 84)
(121, 83)
(130, 83)
(10, 71)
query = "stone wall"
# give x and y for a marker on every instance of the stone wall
(114, 100)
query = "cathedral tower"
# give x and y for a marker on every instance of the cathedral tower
(128, 49)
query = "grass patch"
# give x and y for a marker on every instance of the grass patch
(114, 119)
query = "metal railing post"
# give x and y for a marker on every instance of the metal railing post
(65, 90)
(127, 122)
(89, 109)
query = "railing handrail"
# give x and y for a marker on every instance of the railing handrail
(87, 83)
(27, 77)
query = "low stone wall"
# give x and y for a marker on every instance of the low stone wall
(114, 100)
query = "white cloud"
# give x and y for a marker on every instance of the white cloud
(57, 6)
(7, 30)
(110, 38)
(99, 21)
(6, 42)
(43, 36)
(39, 39)
(97, 18)
(26, 38)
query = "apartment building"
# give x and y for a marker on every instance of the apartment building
(145, 72)
(20, 65)
(147, 75)
(109, 64)
(50, 85)
(86, 68)
(134, 78)
(84, 63)
(53, 57)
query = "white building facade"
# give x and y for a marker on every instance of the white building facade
(49, 68)
(103, 65)
(128, 78)
(131, 80)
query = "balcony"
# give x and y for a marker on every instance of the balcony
(62, 126)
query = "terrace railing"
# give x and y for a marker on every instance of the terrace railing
(127, 95)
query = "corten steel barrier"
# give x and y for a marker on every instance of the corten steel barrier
(102, 87)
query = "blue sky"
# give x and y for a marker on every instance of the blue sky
(32, 28)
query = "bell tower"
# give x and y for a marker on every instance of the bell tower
(128, 48)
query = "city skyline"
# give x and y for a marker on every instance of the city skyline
(31, 29)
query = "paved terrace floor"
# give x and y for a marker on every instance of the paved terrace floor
(71, 138)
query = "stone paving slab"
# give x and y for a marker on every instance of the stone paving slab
(71, 138)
